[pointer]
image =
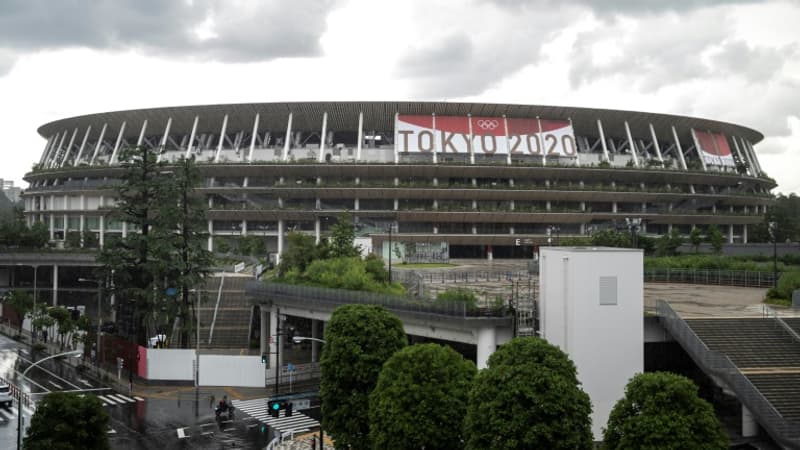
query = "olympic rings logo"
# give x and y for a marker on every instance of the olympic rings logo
(488, 124)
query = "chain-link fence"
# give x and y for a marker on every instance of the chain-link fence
(741, 278)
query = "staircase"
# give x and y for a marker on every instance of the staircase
(524, 301)
(755, 358)
(233, 315)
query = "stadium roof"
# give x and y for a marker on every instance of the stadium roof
(379, 116)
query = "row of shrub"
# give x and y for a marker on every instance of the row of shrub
(719, 262)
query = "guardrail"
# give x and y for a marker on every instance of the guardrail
(741, 278)
(770, 313)
(785, 432)
(335, 297)
(26, 399)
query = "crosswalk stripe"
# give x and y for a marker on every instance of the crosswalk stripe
(257, 408)
(109, 399)
(138, 398)
(6, 413)
(121, 398)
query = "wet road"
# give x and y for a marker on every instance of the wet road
(161, 423)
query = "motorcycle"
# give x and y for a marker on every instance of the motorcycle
(222, 409)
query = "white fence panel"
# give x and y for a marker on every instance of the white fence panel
(231, 370)
(170, 364)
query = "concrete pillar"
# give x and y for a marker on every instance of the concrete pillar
(744, 234)
(55, 285)
(263, 331)
(273, 342)
(314, 344)
(749, 424)
(730, 234)
(489, 253)
(280, 241)
(487, 344)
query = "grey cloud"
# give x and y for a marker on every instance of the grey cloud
(251, 31)
(754, 63)
(6, 62)
(479, 51)
(624, 7)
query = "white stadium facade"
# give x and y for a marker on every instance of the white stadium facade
(448, 180)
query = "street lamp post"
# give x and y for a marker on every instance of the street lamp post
(99, 315)
(297, 340)
(19, 390)
(197, 351)
(773, 232)
(391, 225)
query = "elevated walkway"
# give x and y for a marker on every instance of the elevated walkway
(756, 358)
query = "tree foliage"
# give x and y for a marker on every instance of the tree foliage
(667, 245)
(342, 237)
(22, 302)
(462, 295)
(66, 421)
(421, 399)
(715, 238)
(696, 238)
(359, 339)
(15, 233)
(611, 238)
(164, 247)
(662, 410)
(528, 397)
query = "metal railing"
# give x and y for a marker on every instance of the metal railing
(785, 432)
(770, 313)
(333, 297)
(741, 278)
(444, 277)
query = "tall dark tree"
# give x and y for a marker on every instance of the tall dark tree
(662, 410)
(342, 238)
(528, 397)
(22, 302)
(185, 221)
(163, 250)
(421, 399)
(66, 421)
(359, 339)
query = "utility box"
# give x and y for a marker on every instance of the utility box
(592, 308)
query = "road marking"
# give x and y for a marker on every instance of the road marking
(112, 431)
(181, 433)
(138, 398)
(7, 414)
(24, 351)
(51, 374)
(126, 398)
(58, 386)
(109, 399)
(84, 382)
(27, 410)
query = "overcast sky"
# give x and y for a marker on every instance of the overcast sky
(736, 61)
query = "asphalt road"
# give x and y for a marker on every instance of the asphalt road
(179, 421)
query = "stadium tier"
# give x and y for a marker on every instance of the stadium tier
(440, 180)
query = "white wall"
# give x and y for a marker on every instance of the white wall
(231, 370)
(605, 341)
(170, 364)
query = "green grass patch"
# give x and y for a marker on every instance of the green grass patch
(778, 301)
(423, 265)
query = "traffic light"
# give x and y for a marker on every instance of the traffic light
(264, 358)
(288, 407)
(274, 407)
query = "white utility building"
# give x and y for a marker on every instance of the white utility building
(591, 307)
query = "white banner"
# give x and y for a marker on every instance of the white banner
(490, 136)
(714, 148)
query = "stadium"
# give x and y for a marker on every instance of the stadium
(447, 180)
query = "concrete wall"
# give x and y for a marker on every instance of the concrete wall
(592, 307)
(170, 364)
(231, 370)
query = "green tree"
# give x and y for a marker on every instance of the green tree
(63, 320)
(611, 238)
(662, 410)
(22, 302)
(667, 245)
(342, 237)
(136, 261)
(715, 238)
(66, 421)
(421, 399)
(696, 238)
(359, 339)
(185, 221)
(299, 253)
(528, 397)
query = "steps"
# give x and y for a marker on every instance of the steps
(749, 342)
(233, 314)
